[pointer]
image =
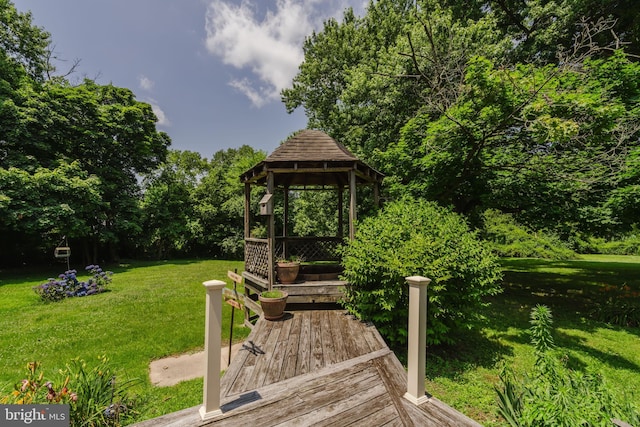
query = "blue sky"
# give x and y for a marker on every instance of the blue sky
(211, 69)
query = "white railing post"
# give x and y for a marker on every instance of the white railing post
(212, 345)
(417, 356)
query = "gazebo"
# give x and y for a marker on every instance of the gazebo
(309, 160)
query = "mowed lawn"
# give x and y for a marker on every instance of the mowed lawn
(152, 310)
(464, 375)
(157, 309)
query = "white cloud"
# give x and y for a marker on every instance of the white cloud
(145, 82)
(271, 48)
(163, 120)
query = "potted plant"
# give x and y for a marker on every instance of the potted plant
(273, 303)
(287, 269)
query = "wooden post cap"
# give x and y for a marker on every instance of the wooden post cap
(214, 284)
(418, 280)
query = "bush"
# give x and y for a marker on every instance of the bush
(553, 395)
(620, 306)
(67, 285)
(94, 396)
(414, 237)
(628, 244)
(510, 239)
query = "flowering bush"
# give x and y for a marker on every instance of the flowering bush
(34, 389)
(97, 399)
(67, 284)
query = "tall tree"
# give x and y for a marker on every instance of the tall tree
(49, 123)
(446, 111)
(219, 202)
(168, 208)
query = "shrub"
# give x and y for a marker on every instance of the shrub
(67, 284)
(510, 239)
(552, 394)
(95, 397)
(620, 306)
(415, 237)
(627, 245)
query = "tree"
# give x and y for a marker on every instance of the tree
(447, 112)
(21, 42)
(219, 202)
(537, 27)
(47, 123)
(168, 207)
(106, 130)
(38, 208)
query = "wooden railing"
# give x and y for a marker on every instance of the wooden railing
(256, 251)
(309, 248)
(256, 257)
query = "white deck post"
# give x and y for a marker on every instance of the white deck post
(417, 356)
(212, 331)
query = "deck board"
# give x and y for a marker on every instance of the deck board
(317, 368)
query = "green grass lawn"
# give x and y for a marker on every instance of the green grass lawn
(155, 310)
(464, 375)
(152, 310)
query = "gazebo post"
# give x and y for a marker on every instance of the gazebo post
(340, 212)
(285, 225)
(271, 230)
(247, 210)
(352, 204)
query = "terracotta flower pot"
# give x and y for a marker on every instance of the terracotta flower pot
(273, 308)
(287, 272)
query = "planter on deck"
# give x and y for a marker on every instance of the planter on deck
(273, 304)
(287, 271)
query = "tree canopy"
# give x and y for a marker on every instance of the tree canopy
(527, 107)
(70, 154)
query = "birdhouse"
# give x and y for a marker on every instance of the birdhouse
(266, 205)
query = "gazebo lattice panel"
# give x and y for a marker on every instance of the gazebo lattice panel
(256, 257)
(309, 248)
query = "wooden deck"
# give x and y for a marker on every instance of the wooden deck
(317, 368)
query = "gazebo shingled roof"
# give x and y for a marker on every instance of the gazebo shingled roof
(311, 157)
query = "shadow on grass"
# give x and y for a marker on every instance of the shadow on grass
(570, 288)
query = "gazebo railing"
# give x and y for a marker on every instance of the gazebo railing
(256, 257)
(308, 248)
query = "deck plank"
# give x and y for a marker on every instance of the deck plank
(317, 348)
(304, 347)
(326, 335)
(291, 359)
(263, 360)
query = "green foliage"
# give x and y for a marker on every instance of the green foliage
(276, 293)
(510, 239)
(35, 389)
(553, 395)
(102, 398)
(218, 203)
(415, 237)
(521, 107)
(618, 306)
(22, 42)
(625, 244)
